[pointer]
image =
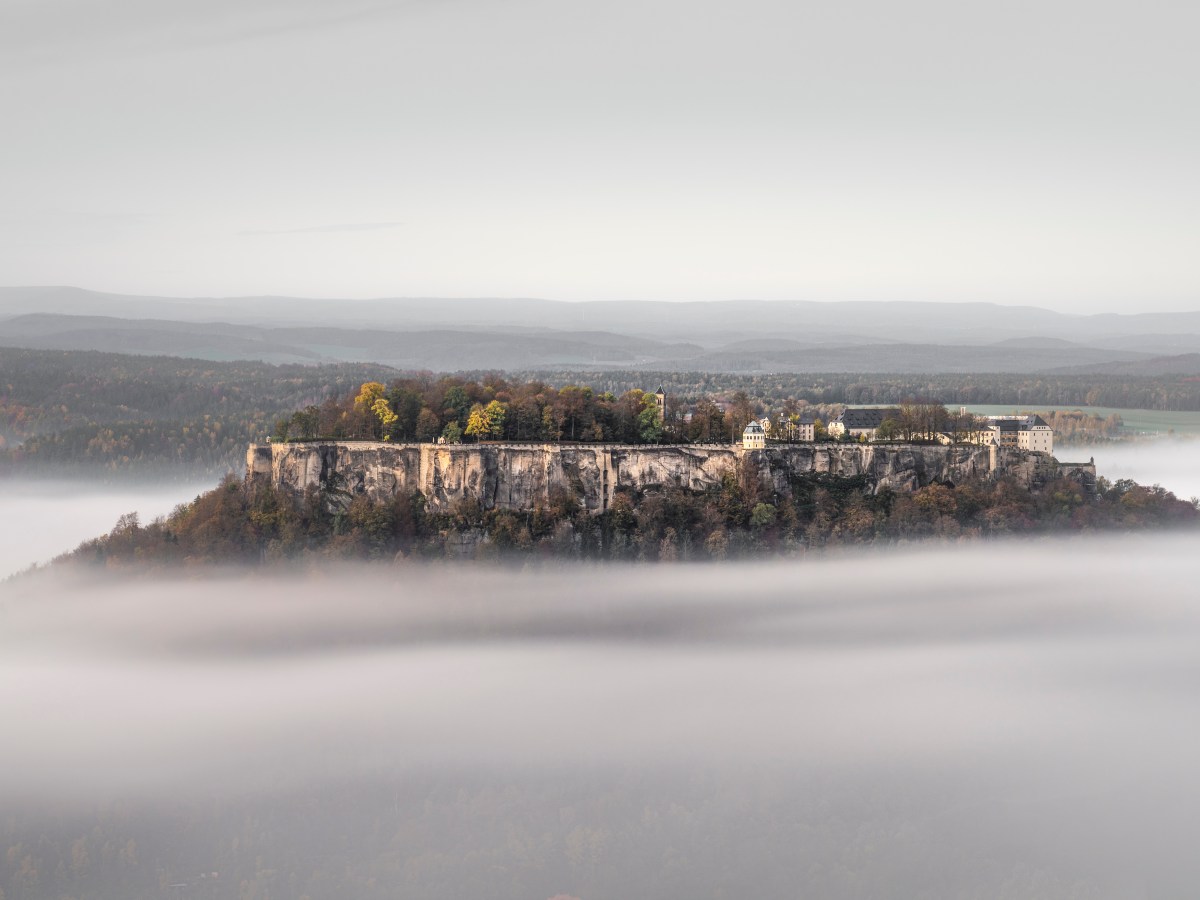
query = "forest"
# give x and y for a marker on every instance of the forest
(451, 409)
(454, 409)
(240, 522)
(1161, 392)
(109, 415)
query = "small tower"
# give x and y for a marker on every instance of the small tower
(660, 400)
(754, 438)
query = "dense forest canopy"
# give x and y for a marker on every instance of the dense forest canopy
(251, 522)
(452, 409)
(109, 414)
(1164, 392)
(147, 415)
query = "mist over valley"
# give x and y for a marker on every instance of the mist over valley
(862, 723)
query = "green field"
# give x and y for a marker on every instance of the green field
(1138, 421)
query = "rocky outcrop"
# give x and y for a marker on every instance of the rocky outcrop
(519, 476)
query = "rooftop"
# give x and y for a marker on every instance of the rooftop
(1017, 423)
(868, 417)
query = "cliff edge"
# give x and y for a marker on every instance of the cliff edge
(519, 476)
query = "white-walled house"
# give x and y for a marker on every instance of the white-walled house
(754, 438)
(1025, 432)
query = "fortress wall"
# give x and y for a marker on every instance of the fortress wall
(518, 476)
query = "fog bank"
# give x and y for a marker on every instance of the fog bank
(1170, 462)
(1000, 719)
(43, 518)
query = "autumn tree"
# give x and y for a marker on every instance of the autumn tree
(305, 423)
(486, 423)
(477, 426)
(708, 422)
(738, 414)
(375, 414)
(428, 426)
(495, 413)
(574, 403)
(888, 430)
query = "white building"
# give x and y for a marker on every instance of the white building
(1025, 432)
(754, 438)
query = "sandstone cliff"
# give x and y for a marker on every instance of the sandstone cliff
(518, 476)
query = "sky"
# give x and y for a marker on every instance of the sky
(1021, 153)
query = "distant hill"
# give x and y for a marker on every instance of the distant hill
(1039, 343)
(436, 350)
(507, 334)
(899, 359)
(1183, 364)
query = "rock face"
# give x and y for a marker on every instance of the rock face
(518, 476)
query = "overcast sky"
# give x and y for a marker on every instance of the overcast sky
(1024, 152)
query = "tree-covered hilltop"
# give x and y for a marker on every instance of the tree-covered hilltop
(453, 409)
(245, 522)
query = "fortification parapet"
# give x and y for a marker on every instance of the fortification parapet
(519, 476)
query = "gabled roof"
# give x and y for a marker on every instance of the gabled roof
(753, 428)
(868, 417)
(1017, 423)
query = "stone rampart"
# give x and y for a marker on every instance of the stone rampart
(519, 476)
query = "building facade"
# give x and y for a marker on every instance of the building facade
(1020, 432)
(1023, 432)
(754, 438)
(800, 428)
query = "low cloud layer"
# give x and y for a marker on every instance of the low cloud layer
(1167, 461)
(917, 655)
(45, 518)
(1030, 703)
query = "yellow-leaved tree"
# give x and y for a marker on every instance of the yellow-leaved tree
(386, 417)
(371, 400)
(368, 394)
(476, 423)
(486, 423)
